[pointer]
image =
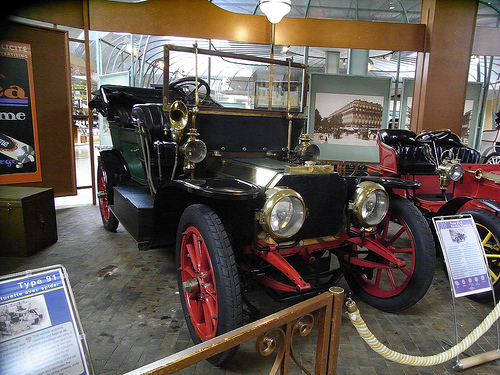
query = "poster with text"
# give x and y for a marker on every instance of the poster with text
(464, 255)
(38, 330)
(19, 152)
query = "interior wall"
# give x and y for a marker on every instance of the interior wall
(51, 81)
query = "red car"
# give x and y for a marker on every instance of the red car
(452, 181)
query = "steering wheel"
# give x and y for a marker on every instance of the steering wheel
(185, 89)
(433, 135)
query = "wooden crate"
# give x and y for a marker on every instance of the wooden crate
(27, 220)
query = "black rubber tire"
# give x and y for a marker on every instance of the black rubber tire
(487, 222)
(225, 272)
(424, 262)
(492, 158)
(109, 220)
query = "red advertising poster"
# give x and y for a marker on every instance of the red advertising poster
(19, 152)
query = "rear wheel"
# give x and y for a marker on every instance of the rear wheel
(109, 220)
(488, 227)
(383, 283)
(493, 158)
(208, 278)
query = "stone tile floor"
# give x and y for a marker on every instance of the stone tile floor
(130, 311)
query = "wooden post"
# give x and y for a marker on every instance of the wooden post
(442, 69)
(336, 317)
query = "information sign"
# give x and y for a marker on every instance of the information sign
(464, 254)
(40, 333)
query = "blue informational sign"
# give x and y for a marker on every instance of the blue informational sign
(40, 333)
(464, 254)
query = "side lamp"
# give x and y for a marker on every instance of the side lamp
(194, 150)
(448, 170)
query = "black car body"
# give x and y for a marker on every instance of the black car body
(243, 197)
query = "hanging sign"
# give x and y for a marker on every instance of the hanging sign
(19, 152)
(40, 333)
(464, 254)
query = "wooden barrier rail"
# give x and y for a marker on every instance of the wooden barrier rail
(295, 319)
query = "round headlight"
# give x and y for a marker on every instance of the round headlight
(284, 212)
(195, 150)
(456, 172)
(370, 203)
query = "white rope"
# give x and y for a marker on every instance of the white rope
(406, 359)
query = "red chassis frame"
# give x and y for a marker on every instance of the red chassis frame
(277, 257)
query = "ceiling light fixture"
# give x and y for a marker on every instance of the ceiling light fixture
(275, 10)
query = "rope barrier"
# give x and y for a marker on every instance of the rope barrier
(384, 351)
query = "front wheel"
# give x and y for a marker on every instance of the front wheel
(488, 228)
(386, 285)
(208, 278)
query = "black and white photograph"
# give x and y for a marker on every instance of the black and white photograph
(347, 119)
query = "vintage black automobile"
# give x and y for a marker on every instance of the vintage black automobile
(247, 204)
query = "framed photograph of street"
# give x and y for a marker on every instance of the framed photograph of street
(346, 113)
(470, 134)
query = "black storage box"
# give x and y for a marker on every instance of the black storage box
(133, 207)
(27, 220)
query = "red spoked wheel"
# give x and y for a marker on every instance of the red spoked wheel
(109, 220)
(392, 266)
(198, 283)
(208, 278)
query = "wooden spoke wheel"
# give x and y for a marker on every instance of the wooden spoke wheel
(395, 285)
(208, 277)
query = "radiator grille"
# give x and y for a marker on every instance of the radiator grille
(325, 199)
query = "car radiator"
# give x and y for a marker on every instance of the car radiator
(325, 199)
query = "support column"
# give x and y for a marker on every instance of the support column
(442, 69)
(332, 62)
(358, 62)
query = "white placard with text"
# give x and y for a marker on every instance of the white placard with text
(464, 254)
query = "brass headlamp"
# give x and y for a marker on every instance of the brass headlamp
(306, 150)
(194, 150)
(448, 170)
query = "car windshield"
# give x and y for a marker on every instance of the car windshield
(234, 81)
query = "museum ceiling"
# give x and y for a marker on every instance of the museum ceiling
(398, 65)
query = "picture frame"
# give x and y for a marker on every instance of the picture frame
(471, 135)
(345, 114)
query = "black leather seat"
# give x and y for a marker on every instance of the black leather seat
(460, 151)
(158, 136)
(155, 120)
(411, 155)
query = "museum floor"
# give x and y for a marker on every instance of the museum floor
(132, 315)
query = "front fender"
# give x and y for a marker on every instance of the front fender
(116, 169)
(453, 206)
(226, 188)
(387, 182)
(173, 197)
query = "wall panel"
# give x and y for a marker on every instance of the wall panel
(51, 80)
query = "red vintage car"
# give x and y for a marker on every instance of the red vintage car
(452, 181)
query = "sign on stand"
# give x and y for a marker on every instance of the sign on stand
(464, 254)
(40, 332)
